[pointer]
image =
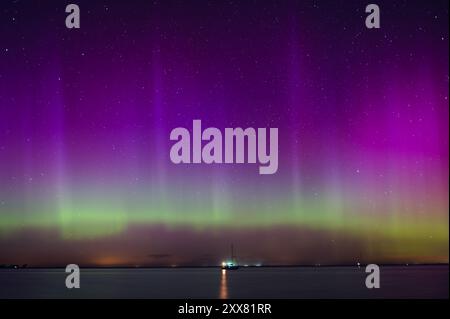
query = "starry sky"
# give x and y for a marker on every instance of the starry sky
(86, 114)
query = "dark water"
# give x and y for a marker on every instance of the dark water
(321, 282)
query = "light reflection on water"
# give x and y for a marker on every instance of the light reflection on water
(223, 293)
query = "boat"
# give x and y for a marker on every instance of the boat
(230, 264)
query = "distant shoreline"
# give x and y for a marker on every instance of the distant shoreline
(218, 267)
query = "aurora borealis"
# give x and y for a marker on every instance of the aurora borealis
(85, 119)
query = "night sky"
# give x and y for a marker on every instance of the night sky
(86, 114)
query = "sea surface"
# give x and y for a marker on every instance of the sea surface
(259, 282)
